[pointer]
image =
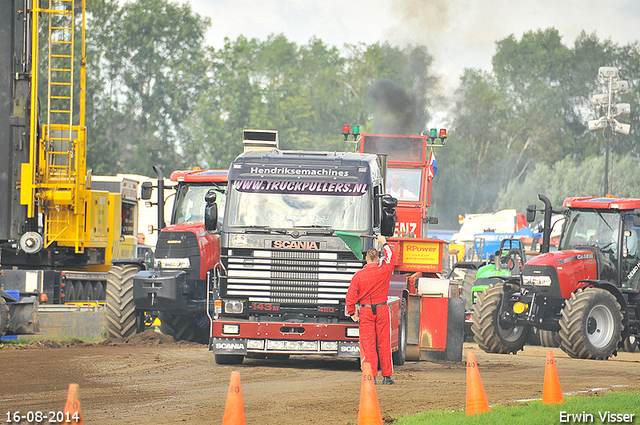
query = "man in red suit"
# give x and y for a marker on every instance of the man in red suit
(370, 287)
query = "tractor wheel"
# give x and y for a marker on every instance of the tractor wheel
(4, 316)
(630, 344)
(182, 327)
(400, 356)
(534, 336)
(468, 281)
(491, 335)
(228, 358)
(591, 324)
(549, 339)
(120, 309)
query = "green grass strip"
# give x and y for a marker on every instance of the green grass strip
(592, 410)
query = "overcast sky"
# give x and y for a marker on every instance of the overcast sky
(458, 33)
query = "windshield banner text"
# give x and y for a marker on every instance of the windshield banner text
(303, 188)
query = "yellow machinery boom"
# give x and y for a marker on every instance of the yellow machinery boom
(58, 235)
(54, 181)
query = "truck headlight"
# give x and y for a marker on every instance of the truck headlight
(173, 263)
(353, 332)
(255, 344)
(233, 306)
(537, 280)
(228, 328)
(328, 346)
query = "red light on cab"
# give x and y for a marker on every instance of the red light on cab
(443, 133)
(345, 129)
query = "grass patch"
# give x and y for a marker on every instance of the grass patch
(17, 341)
(536, 413)
(31, 340)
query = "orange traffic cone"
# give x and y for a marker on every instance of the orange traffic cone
(476, 397)
(551, 391)
(369, 413)
(234, 411)
(72, 410)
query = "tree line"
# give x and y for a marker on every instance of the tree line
(158, 94)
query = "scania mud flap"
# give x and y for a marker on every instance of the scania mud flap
(229, 346)
(348, 349)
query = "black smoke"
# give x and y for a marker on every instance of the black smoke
(395, 110)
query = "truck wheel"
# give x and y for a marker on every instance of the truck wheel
(98, 291)
(591, 324)
(88, 291)
(69, 292)
(182, 328)
(549, 338)
(400, 355)
(120, 309)
(79, 289)
(491, 335)
(4, 316)
(631, 344)
(228, 358)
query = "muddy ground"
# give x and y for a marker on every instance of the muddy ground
(149, 379)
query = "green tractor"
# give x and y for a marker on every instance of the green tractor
(507, 261)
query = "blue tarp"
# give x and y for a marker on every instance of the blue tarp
(487, 243)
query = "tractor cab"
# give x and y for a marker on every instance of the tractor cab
(600, 237)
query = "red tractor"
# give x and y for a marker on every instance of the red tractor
(584, 297)
(172, 285)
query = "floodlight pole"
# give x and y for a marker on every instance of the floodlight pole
(606, 167)
(607, 123)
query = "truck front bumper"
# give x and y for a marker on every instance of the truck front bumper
(242, 337)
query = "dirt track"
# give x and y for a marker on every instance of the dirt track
(151, 380)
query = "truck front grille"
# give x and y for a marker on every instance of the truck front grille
(288, 277)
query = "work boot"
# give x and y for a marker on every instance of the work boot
(386, 380)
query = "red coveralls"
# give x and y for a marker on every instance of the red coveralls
(370, 286)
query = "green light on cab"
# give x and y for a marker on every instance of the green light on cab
(433, 133)
(356, 129)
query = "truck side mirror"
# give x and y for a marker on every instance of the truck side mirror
(210, 211)
(531, 213)
(389, 202)
(636, 217)
(388, 222)
(145, 190)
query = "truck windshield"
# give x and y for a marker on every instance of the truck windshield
(265, 204)
(592, 228)
(189, 204)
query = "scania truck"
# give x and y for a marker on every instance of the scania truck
(284, 272)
